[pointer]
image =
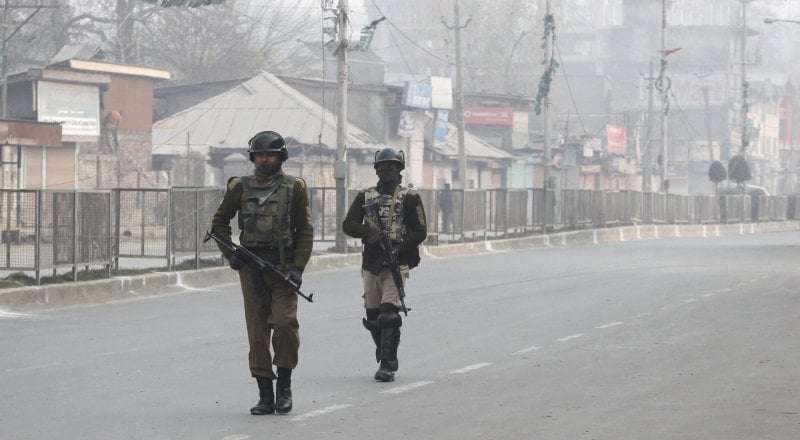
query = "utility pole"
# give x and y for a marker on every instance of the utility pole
(340, 46)
(342, 132)
(647, 171)
(745, 86)
(664, 89)
(459, 97)
(548, 58)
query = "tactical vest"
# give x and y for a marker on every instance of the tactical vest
(266, 214)
(395, 222)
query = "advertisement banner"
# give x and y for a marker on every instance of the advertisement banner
(406, 128)
(442, 96)
(520, 133)
(417, 95)
(440, 130)
(615, 135)
(76, 107)
(489, 115)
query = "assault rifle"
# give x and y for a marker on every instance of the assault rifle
(389, 255)
(258, 265)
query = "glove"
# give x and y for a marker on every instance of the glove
(372, 236)
(296, 275)
(235, 260)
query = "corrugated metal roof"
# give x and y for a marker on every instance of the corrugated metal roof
(474, 147)
(262, 103)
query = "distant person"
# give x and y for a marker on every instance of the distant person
(446, 208)
(275, 223)
(402, 214)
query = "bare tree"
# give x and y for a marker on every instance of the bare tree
(233, 39)
(230, 40)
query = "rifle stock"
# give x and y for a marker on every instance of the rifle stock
(389, 255)
(258, 264)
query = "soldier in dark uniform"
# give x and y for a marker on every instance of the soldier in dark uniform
(275, 223)
(402, 211)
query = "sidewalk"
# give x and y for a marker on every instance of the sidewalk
(163, 283)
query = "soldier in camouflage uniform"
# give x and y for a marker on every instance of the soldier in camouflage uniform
(401, 209)
(275, 223)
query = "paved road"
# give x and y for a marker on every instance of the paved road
(659, 339)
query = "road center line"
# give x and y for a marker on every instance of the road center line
(319, 412)
(570, 337)
(404, 388)
(610, 324)
(527, 350)
(471, 368)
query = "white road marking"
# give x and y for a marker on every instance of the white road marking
(641, 315)
(4, 314)
(610, 324)
(690, 300)
(708, 295)
(236, 437)
(570, 337)
(471, 368)
(180, 284)
(404, 388)
(319, 412)
(527, 350)
(724, 290)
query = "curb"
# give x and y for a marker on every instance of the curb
(164, 283)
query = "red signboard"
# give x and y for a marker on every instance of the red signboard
(616, 139)
(489, 115)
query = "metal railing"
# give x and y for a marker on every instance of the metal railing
(55, 230)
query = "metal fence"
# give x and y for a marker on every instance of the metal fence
(52, 230)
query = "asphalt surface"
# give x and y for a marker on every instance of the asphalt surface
(675, 338)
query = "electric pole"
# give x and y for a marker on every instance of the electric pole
(340, 165)
(743, 49)
(340, 45)
(459, 97)
(647, 168)
(548, 59)
(664, 89)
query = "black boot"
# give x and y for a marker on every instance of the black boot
(384, 373)
(266, 398)
(371, 324)
(283, 391)
(389, 322)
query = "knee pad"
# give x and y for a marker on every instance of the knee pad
(389, 318)
(371, 321)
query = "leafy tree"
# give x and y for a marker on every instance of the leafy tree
(739, 170)
(717, 172)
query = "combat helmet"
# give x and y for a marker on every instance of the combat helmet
(390, 154)
(267, 142)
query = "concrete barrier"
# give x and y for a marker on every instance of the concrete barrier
(163, 283)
